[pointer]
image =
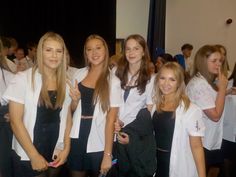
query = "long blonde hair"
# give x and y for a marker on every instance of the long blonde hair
(102, 89)
(180, 92)
(60, 72)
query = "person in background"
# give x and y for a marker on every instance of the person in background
(39, 106)
(162, 59)
(5, 131)
(96, 101)
(12, 49)
(31, 54)
(178, 126)
(185, 61)
(134, 128)
(209, 95)
(6, 47)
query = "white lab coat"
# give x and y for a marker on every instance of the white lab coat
(187, 124)
(96, 139)
(20, 90)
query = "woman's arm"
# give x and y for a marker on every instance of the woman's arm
(109, 138)
(215, 113)
(198, 154)
(62, 154)
(16, 111)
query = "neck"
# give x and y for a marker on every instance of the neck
(134, 68)
(50, 73)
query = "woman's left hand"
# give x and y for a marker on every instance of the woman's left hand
(59, 158)
(106, 164)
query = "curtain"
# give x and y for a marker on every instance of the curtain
(156, 27)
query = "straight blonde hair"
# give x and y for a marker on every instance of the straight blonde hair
(60, 72)
(102, 89)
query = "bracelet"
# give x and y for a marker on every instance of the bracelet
(108, 154)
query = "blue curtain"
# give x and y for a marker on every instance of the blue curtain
(156, 27)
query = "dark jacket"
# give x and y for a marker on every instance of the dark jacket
(138, 158)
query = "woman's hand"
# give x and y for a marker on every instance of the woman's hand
(123, 138)
(38, 163)
(118, 125)
(106, 163)
(74, 91)
(59, 158)
(222, 81)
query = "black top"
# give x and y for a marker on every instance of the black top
(86, 100)
(164, 124)
(48, 115)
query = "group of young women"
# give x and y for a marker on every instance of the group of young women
(157, 128)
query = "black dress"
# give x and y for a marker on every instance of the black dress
(46, 132)
(79, 159)
(163, 123)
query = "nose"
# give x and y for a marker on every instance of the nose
(54, 53)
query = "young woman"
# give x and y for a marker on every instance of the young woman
(137, 85)
(209, 95)
(95, 112)
(177, 125)
(38, 103)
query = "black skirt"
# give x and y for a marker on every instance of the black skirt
(79, 159)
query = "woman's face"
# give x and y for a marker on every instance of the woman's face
(167, 82)
(214, 62)
(52, 54)
(95, 52)
(133, 52)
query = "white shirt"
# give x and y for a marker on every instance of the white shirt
(96, 139)
(20, 90)
(229, 124)
(12, 66)
(187, 123)
(203, 95)
(135, 102)
(5, 77)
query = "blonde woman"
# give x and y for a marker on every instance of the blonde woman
(177, 125)
(38, 103)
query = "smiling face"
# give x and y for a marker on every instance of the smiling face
(214, 62)
(52, 54)
(134, 52)
(167, 82)
(95, 52)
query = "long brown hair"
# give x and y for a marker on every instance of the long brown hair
(123, 65)
(102, 89)
(180, 92)
(60, 72)
(200, 63)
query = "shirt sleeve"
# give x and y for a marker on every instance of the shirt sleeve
(16, 89)
(195, 124)
(115, 91)
(200, 93)
(149, 90)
